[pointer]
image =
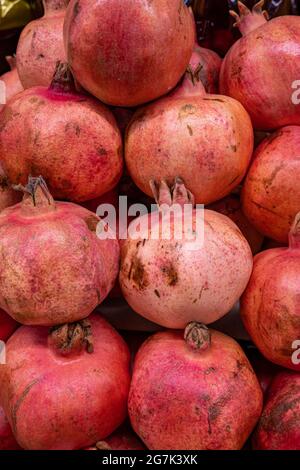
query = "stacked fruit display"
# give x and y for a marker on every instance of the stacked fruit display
(115, 97)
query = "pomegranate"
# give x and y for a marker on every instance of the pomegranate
(197, 394)
(54, 269)
(173, 278)
(212, 133)
(267, 49)
(278, 428)
(7, 440)
(231, 206)
(122, 439)
(7, 326)
(271, 193)
(8, 197)
(41, 45)
(69, 138)
(270, 306)
(130, 51)
(78, 375)
(209, 65)
(11, 81)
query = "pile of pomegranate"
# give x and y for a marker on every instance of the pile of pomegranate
(150, 231)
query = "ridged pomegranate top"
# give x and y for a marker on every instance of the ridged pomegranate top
(71, 338)
(248, 20)
(37, 197)
(197, 336)
(178, 194)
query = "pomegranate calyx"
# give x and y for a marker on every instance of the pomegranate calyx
(102, 445)
(63, 80)
(178, 194)
(72, 338)
(197, 336)
(36, 193)
(247, 20)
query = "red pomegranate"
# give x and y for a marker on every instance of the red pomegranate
(69, 138)
(78, 375)
(7, 326)
(172, 278)
(207, 66)
(41, 45)
(197, 394)
(271, 193)
(122, 439)
(11, 81)
(278, 428)
(270, 306)
(55, 269)
(8, 197)
(130, 51)
(207, 140)
(231, 206)
(267, 49)
(7, 440)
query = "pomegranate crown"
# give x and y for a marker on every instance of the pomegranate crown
(36, 190)
(72, 338)
(247, 20)
(177, 194)
(197, 336)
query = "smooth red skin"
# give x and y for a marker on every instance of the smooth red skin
(259, 71)
(128, 52)
(55, 402)
(278, 428)
(62, 283)
(122, 439)
(270, 306)
(7, 440)
(181, 399)
(171, 284)
(231, 206)
(70, 139)
(12, 83)
(213, 133)
(7, 326)
(41, 45)
(271, 193)
(210, 64)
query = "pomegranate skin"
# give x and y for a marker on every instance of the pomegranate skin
(64, 282)
(270, 306)
(7, 440)
(70, 139)
(11, 80)
(213, 133)
(122, 439)
(267, 49)
(185, 399)
(7, 326)
(271, 193)
(111, 66)
(41, 45)
(85, 394)
(8, 197)
(171, 282)
(278, 428)
(210, 66)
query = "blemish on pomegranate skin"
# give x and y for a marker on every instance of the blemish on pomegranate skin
(92, 223)
(171, 274)
(76, 9)
(157, 293)
(137, 274)
(102, 152)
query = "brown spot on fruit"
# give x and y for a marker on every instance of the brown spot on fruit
(102, 151)
(92, 222)
(171, 274)
(137, 273)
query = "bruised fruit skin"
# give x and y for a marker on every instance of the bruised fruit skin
(231, 206)
(7, 440)
(7, 326)
(198, 394)
(271, 192)
(205, 139)
(278, 427)
(70, 139)
(8, 197)
(270, 306)
(41, 45)
(143, 59)
(267, 49)
(122, 439)
(174, 280)
(85, 392)
(209, 64)
(11, 80)
(54, 269)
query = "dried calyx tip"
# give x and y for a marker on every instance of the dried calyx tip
(197, 336)
(177, 194)
(34, 182)
(72, 337)
(245, 11)
(63, 80)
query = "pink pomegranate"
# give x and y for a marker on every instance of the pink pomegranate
(69, 138)
(7, 326)
(278, 428)
(11, 81)
(231, 206)
(7, 440)
(55, 269)
(267, 49)
(122, 439)
(271, 193)
(171, 277)
(212, 133)
(8, 197)
(207, 67)
(270, 306)
(131, 51)
(78, 375)
(41, 45)
(197, 394)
